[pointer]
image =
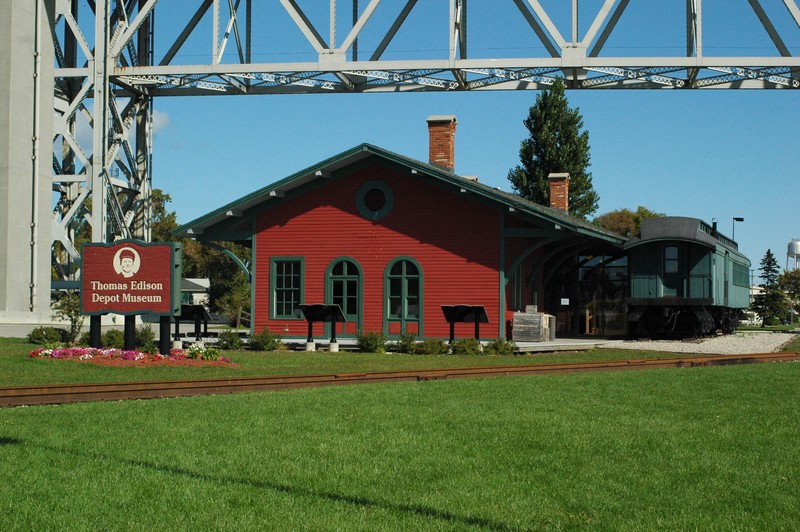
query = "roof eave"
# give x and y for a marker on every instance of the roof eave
(240, 207)
(325, 169)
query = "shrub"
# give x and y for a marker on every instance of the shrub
(46, 335)
(212, 353)
(113, 338)
(146, 339)
(500, 347)
(371, 342)
(431, 346)
(229, 339)
(199, 351)
(84, 339)
(266, 340)
(467, 346)
(406, 343)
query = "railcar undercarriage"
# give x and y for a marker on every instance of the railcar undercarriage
(681, 321)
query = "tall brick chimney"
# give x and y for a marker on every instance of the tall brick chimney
(559, 191)
(442, 141)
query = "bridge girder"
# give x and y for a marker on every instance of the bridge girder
(107, 72)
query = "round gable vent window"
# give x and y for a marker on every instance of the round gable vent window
(375, 200)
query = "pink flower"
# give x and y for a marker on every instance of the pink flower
(87, 353)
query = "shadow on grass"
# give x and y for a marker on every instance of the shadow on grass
(6, 440)
(364, 502)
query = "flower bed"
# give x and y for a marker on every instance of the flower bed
(196, 355)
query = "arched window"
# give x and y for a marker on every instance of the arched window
(345, 279)
(344, 289)
(403, 293)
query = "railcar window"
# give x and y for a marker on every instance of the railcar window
(671, 261)
(740, 274)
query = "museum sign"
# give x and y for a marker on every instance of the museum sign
(130, 277)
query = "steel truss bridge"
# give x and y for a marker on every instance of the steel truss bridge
(109, 59)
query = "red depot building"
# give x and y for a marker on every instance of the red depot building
(391, 240)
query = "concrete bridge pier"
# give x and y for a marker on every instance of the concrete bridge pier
(26, 147)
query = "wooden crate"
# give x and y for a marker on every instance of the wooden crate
(530, 327)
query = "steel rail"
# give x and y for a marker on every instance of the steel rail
(71, 393)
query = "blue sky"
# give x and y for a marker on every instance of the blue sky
(705, 154)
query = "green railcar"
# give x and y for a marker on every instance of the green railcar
(686, 279)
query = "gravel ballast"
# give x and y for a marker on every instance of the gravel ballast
(740, 343)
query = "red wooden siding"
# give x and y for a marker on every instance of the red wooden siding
(454, 238)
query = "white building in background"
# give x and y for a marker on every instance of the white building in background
(752, 317)
(194, 291)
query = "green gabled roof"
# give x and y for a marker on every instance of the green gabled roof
(229, 222)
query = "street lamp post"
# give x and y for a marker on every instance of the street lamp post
(733, 226)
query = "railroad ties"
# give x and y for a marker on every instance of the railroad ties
(72, 393)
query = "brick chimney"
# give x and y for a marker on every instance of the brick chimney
(442, 141)
(559, 191)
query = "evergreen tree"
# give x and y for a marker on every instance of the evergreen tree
(770, 271)
(556, 145)
(771, 303)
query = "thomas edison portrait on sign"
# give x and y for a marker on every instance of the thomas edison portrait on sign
(127, 262)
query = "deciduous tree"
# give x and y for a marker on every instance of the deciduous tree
(68, 308)
(789, 281)
(229, 292)
(163, 222)
(624, 221)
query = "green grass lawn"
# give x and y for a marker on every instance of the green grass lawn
(17, 369)
(771, 328)
(686, 449)
(793, 346)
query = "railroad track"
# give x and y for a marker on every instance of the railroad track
(71, 393)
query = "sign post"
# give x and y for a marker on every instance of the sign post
(131, 277)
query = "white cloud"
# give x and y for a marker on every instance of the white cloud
(160, 121)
